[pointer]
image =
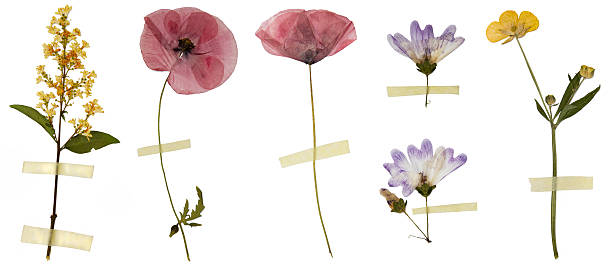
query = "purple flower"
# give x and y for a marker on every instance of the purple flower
(422, 166)
(425, 49)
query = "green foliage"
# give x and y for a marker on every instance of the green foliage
(399, 206)
(80, 144)
(571, 89)
(188, 216)
(576, 106)
(541, 110)
(37, 117)
(425, 189)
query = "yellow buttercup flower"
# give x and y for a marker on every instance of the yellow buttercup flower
(511, 25)
(587, 72)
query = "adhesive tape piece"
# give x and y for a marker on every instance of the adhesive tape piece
(448, 208)
(421, 90)
(548, 184)
(74, 170)
(166, 147)
(36, 235)
(323, 151)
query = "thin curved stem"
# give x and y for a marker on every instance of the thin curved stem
(417, 226)
(161, 161)
(314, 158)
(534, 80)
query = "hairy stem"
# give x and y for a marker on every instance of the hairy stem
(314, 158)
(161, 161)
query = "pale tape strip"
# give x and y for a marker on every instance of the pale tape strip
(323, 151)
(166, 147)
(36, 235)
(74, 170)
(547, 184)
(448, 208)
(421, 90)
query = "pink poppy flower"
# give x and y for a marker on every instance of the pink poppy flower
(197, 48)
(306, 36)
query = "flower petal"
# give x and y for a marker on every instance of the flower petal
(333, 32)
(449, 33)
(197, 25)
(396, 45)
(157, 39)
(508, 19)
(451, 164)
(419, 157)
(400, 159)
(196, 74)
(223, 47)
(527, 22)
(495, 33)
(407, 190)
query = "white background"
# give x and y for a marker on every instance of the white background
(260, 215)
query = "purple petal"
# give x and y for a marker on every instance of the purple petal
(452, 163)
(392, 168)
(415, 32)
(396, 44)
(400, 159)
(407, 189)
(449, 33)
(428, 32)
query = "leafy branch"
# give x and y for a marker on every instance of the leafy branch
(187, 216)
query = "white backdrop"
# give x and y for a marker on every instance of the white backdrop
(258, 214)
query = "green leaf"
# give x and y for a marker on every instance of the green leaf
(193, 224)
(572, 87)
(541, 110)
(174, 229)
(80, 144)
(576, 106)
(37, 117)
(185, 210)
(197, 212)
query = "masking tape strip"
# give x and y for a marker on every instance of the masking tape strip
(421, 90)
(166, 147)
(448, 208)
(547, 184)
(36, 235)
(74, 170)
(323, 151)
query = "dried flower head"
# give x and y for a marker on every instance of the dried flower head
(587, 72)
(68, 52)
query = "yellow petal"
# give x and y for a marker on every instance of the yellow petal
(509, 19)
(510, 38)
(495, 32)
(528, 22)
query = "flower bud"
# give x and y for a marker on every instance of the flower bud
(587, 72)
(395, 203)
(550, 100)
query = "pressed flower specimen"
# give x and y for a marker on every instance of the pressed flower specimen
(511, 27)
(425, 49)
(422, 170)
(307, 36)
(200, 53)
(66, 91)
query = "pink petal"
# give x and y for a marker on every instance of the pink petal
(332, 30)
(196, 74)
(197, 25)
(307, 36)
(223, 47)
(157, 40)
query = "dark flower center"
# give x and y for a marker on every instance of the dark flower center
(184, 46)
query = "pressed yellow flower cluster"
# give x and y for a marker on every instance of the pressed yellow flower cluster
(68, 52)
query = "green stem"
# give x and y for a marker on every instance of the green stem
(534, 80)
(553, 198)
(161, 161)
(314, 157)
(426, 89)
(427, 216)
(426, 237)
